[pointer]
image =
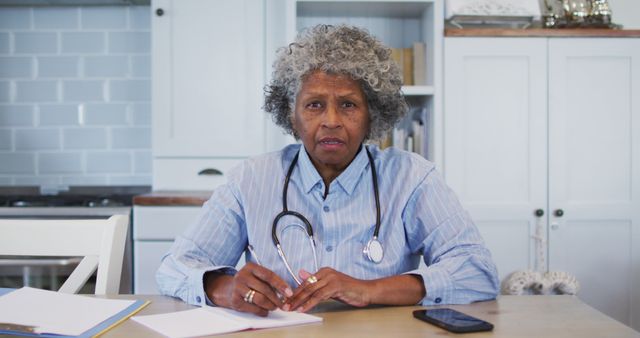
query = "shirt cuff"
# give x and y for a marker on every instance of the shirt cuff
(437, 283)
(199, 296)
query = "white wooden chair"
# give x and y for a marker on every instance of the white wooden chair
(100, 241)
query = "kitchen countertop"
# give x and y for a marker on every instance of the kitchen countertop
(541, 32)
(172, 198)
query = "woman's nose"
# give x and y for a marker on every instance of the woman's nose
(332, 118)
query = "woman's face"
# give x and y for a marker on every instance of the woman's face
(331, 118)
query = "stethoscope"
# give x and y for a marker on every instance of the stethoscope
(373, 250)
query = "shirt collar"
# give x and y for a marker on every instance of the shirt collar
(348, 179)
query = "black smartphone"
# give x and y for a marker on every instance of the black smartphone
(452, 320)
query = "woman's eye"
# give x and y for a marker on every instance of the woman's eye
(348, 105)
(314, 105)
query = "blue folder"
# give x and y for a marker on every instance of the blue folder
(93, 332)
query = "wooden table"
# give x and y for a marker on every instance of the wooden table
(512, 316)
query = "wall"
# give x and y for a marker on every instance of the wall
(626, 13)
(75, 95)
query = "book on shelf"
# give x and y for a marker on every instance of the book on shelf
(418, 131)
(407, 66)
(396, 55)
(419, 63)
(412, 63)
(399, 136)
(408, 144)
(386, 142)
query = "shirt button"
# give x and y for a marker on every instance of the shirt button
(326, 208)
(329, 248)
(438, 300)
(198, 299)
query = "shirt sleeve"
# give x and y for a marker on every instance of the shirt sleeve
(459, 268)
(215, 241)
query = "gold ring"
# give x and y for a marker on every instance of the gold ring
(312, 279)
(248, 297)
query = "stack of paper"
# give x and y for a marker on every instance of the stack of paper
(41, 313)
(213, 320)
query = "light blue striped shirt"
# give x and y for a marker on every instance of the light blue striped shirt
(420, 216)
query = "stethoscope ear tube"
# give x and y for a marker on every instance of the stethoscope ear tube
(286, 264)
(312, 243)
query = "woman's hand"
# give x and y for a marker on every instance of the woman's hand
(235, 292)
(327, 284)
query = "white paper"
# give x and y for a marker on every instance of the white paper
(277, 318)
(189, 323)
(214, 320)
(58, 313)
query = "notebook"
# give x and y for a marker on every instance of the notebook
(209, 320)
(41, 313)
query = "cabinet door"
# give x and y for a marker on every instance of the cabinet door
(495, 140)
(154, 229)
(147, 256)
(208, 75)
(162, 223)
(594, 170)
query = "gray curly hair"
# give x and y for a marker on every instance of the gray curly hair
(344, 50)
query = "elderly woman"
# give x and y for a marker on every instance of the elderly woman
(350, 222)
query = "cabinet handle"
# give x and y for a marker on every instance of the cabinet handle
(539, 213)
(558, 213)
(555, 226)
(209, 172)
(159, 12)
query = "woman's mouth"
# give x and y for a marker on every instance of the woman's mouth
(331, 143)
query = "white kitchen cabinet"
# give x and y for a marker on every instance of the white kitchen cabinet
(154, 230)
(147, 255)
(189, 173)
(208, 66)
(208, 72)
(495, 139)
(594, 170)
(551, 125)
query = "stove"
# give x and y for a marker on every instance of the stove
(85, 196)
(74, 202)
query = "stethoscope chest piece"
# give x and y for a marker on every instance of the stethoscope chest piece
(373, 250)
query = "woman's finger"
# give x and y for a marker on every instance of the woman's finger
(262, 281)
(272, 279)
(264, 296)
(243, 305)
(318, 285)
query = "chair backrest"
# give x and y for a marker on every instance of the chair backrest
(100, 241)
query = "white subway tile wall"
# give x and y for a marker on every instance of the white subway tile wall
(5, 88)
(75, 95)
(4, 42)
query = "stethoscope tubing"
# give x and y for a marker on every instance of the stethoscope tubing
(374, 177)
